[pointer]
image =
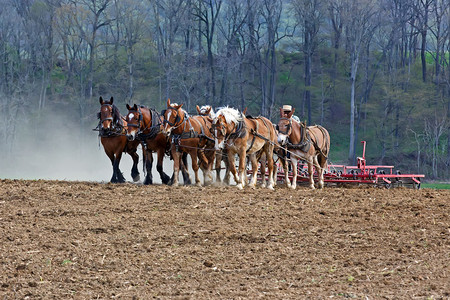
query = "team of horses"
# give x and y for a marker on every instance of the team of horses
(212, 139)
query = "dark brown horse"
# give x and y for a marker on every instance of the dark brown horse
(245, 136)
(144, 125)
(189, 134)
(308, 143)
(112, 132)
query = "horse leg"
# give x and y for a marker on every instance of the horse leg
(231, 164)
(134, 169)
(176, 166)
(111, 158)
(184, 169)
(207, 170)
(320, 170)
(119, 175)
(294, 163)
(226, 160)
(148, 167)
(311, 173)
(218, 166)
(270, 167)
(165, 179)
(242, 173)
(195, 166)
(254, 162)
(284, 164)
(262, 161)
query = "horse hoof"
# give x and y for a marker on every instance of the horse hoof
(239, 186)
(270, 188)
(165, 179)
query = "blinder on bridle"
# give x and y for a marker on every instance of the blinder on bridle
(288, 127)
(138, 125)
(99, 114)
(177, 118)
(215, 125)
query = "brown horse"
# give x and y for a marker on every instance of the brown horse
(144, 126)
(208, 111)
(308, 143)
(245, 136)
(189, 134)
(111, 129)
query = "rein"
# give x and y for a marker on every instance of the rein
(116, 128)
(153, 126)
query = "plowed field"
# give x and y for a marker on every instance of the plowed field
(82, 240)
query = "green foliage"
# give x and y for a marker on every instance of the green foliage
(436, 186)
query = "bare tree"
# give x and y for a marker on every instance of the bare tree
(207, 13)
(361, 19)
(309, 14)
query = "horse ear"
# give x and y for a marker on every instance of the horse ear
(281, 112)
(244, 112)
(198, 109)
(208, 110)
(179, 106)
(111, 100)
(135, 107)
(128, 106)
(291, 113)
(101, 100)
(168, 102)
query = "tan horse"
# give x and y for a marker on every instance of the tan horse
(208, 111)
(311, 144)
(189, 134)
(246, 137)
(112, 132)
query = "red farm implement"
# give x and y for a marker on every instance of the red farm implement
(376, 175)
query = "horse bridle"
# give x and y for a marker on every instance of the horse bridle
(289, 127)
(109, 118)
(138, 125)
(177, 118)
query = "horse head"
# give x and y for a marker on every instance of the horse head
(226, 121)
(206, 110)
(134, 121)
(173, 116)
(219, 131)
(284, 126)
(107, 114)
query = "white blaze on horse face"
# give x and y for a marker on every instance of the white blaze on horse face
(167, 130)
(282, 138)
(130, 116)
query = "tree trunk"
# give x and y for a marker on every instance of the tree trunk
(354, 69)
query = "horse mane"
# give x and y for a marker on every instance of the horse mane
(230, 114)
(204, 108)
(182, 109)
(117, 117)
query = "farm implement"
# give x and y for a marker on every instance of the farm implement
(376, 175)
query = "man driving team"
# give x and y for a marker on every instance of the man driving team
(287, 109)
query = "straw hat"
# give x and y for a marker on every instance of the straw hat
(287, 107)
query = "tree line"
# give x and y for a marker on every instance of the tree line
(375, 70)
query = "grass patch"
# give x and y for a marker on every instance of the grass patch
(436, 186)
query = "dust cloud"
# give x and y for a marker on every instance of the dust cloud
(55, 148)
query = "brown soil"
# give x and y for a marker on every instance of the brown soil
(99, 241)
